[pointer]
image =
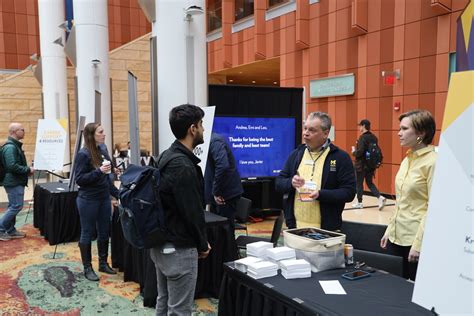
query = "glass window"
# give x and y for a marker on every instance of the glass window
(243, 8)
(272, 3)
(214, 15)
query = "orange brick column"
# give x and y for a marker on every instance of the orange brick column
(227, 21)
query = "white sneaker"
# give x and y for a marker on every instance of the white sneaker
(358, 205)
(382, 201)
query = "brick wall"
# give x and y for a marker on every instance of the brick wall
(335, 37)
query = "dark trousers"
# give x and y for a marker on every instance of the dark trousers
(94, 213)
(409, 268)
(368, 175)
(227, 210)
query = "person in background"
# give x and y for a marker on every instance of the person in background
(318, 178)
(222, 185)
(181, 193)
(121, 150)
(92, 171)
(363, 170)
(404, 233)
(15, 180)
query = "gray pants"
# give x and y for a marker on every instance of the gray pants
(176, 275)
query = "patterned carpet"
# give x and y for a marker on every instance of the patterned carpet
(33, 283)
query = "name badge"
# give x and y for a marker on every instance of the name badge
(309, 162)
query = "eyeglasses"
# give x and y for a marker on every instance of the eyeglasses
(20, 129)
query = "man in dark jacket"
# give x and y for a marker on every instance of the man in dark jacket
(363, 170)
(181, 192)
(222, 185)
(16, 178)
(332, 178)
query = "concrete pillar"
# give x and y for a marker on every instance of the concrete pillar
(92, 70)
(53, 60)
(181, 59)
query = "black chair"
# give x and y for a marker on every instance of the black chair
(381, 261)
(363, 236)
(242, 240)
(242, 214)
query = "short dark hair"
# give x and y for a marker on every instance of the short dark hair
(365, 123)
(423, 122)
(182, 117)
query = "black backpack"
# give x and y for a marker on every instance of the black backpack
(373, 156)
(141, 211)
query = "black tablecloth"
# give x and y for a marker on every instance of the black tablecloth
(379, 294)
(55, 212)
(138, 266)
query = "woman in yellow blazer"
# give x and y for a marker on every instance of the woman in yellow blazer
(412, 186)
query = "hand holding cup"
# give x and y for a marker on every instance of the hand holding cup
(106, 167)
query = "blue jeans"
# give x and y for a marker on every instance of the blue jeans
(15, 205)
(176, 276)
(94, 213)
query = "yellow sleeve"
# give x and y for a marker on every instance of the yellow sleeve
(419, 235)
(429, 179)
(421, 229)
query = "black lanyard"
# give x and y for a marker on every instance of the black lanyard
(314, 160)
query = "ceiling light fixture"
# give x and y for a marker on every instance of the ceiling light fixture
(192, 10)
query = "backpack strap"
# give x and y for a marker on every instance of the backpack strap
(165, 163)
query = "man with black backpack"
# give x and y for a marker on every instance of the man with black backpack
(368, 157)
(14, 178)
(182, 197)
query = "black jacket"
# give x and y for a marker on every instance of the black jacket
(363, 143)
(221, 177)
(182, 196)
(93, 184)
(338, 186)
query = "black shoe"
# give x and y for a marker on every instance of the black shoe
(86, 257)
(90, 275)
(103, 250)
(104, 267)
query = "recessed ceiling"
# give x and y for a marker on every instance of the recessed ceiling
(260, 73)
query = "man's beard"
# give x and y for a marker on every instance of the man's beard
(198, 140)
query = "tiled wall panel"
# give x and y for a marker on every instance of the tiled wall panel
(19, 30)
(409, 35)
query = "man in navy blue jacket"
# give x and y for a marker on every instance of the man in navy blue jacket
(336, 180)
(222, 185)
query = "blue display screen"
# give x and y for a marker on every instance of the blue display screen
(260, 145)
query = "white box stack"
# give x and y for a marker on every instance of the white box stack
(295, 269)
(243, 263)
(258, 249)
(262, 269)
